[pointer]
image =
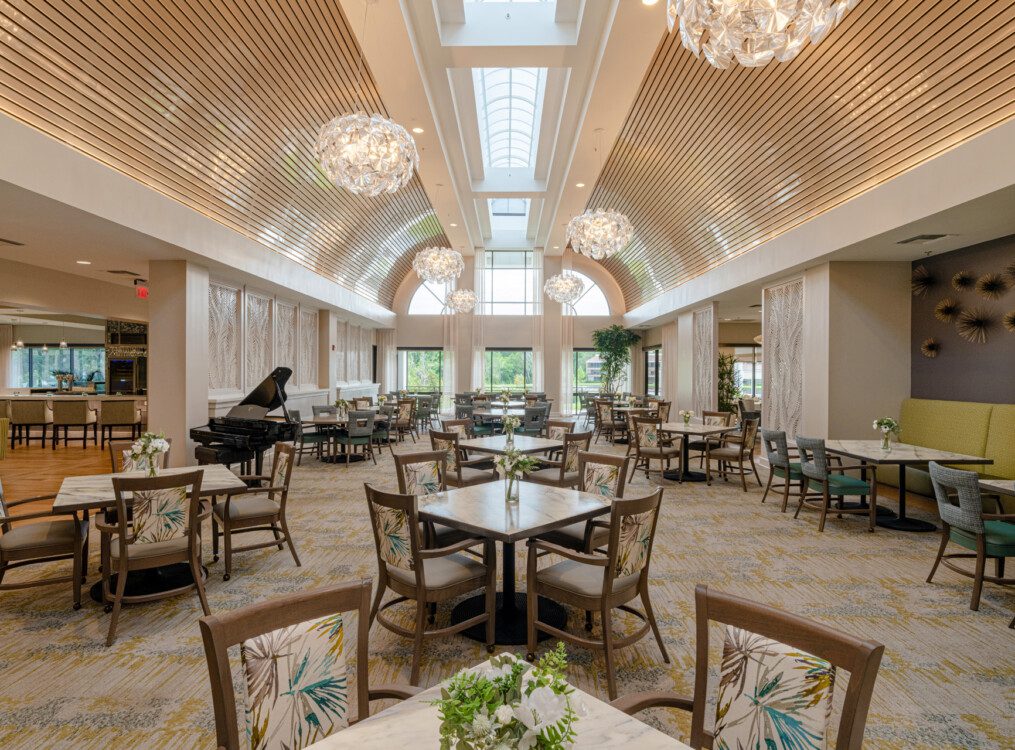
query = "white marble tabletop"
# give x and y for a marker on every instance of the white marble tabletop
(497, 444)
(96, 490)
(1004, 486)
(331, 420)
(901, 453)
(496, 411)
(481, 509)
(414, 723)
(696, 428)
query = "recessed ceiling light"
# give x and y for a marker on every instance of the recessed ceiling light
(649, 2)
(556, 247)
(417, 131)
(579, 184)
(452, 225)
(84, 263)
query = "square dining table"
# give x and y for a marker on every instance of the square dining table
(497, 444)
(415, 723)
(497, 412)
(482, 511)
(687, 430)
(901, 455)
(1000, 486)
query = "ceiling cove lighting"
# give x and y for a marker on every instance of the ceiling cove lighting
(753, 32)
(564, 288)
(368, 155)
(461, 301)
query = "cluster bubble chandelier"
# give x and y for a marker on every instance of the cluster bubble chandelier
(564, 288)
(599, 234)
(461, 301)
(440, 265)
(366, 154)
(753, 32)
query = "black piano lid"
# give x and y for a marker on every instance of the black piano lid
(270, 392)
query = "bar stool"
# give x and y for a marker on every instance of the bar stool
(69, 414)
(28, 414)
(119, 413)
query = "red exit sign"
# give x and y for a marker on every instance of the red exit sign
(141, 291)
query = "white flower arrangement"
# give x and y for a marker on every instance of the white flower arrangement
(886, 425)
(507, 705)
(145, 450)
(686, 415)
(382, 399)
(511, 424)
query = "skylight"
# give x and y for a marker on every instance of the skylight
(509, 215)
(509, 101)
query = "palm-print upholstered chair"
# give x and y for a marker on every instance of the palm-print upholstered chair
(256, 509)
(67, 414)
(425, 576)
(423, 474)
(986, 535)
(164, 529)
(628, 417)
(358, 433)
(735, 455)
(715, 418)
(774, 665)
(562, 473)
(647, 439)
(556, 429)
(294, 654)
(822, 484)
(60, 536)
(781, 465)
(462, 426)
(606, 425)
(663, 410)
(362, 403)
(461, 472)
(26, 414)
(601, 582)
(405, 418)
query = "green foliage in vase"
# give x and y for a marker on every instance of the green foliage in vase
(729, 382)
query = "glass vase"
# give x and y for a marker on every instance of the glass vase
(510, 442)
(511, 490)
(886, 441)
(687, 419)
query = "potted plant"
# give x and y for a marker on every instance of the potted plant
(888, 427)
(729, 382)
(514, 464)
(614, 346)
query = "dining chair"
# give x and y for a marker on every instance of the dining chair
(405, 418)
(325, 410)
(425, 576)
(256, 509)
(556, 429)
(118, 413)
(383, 426)
(601, 583)
(647, 439)
(120, 460)
(67, 414)
(714, 419)
(606, 426)
(359, 431)
(774, 665)
(563, 473)
(822, 483)
(294, 658)
(164, 528)
(54, 536)
(532, 421)
(309, 439)
(26, 414)
(740, 453)
(781, 465)
(462, 426)
(986, 535)
(461, 472)
(362, 403)
(422, 474)
(663, 410)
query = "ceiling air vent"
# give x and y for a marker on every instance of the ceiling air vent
(755, 305)
(12, 243)
(921, 239)
(124, 273)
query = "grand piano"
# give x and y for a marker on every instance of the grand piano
(244, 433)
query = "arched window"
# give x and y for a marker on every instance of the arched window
(592, 301)
(428, 299)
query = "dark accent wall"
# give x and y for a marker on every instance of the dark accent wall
(963, 370)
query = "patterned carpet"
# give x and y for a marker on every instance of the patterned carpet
(947, 679)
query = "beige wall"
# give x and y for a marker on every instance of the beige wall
(23, 285)
(739, 332)
(55, 334)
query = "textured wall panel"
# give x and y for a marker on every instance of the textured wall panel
(223, 337)
(217, 104)
(308, 348)
(341, 343)
(257, 335)
(711, 163)
(782, 356)
(366, 354)
(286, 335)
(705, 365)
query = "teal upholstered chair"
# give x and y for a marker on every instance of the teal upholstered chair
(781, 465)
(985, 534)
(360, 432)
(533, 421)
(823, 484)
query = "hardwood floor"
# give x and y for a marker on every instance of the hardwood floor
(28, 472)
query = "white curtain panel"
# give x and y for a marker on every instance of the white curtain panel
(566, 405)
(387, 359)
(669, 357)
(478, 318)
(537, 353)
(6, 339)
(448, 370)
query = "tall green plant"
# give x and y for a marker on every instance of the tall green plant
(729, 382)
(614, 345)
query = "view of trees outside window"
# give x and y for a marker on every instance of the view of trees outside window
(420, 369)
(748, 365)
(653, 371)
(32, 367)
(508, 369)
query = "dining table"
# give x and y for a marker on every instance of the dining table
(902, 455)
(482, 511)
(496, 412)
(415, 722)
(498, 444)
(95, 492)
(991, 485)
(331, 424)
(687, 430)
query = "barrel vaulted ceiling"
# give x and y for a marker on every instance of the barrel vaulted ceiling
(710, 163)
(216, 104)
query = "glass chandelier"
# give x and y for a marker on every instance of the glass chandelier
(599, 234)
(753, 32)
(461, 301)
(564, 288)
(440, 265)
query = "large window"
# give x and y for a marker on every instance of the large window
(511, 283)
(508, 369)
(428, 299)
(33, 367)
(653, 371)
(420, 370)
(748, 366)
(592, 300)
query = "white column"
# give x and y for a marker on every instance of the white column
(327, 352)
(178, 353)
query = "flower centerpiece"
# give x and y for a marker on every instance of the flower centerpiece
(514, 464)
(632, 399)
(686, 415)
(511, 424)
(382, 399)
(888, 427)
(508, 705)
(146, 452)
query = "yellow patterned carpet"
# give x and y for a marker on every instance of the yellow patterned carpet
(947, 680)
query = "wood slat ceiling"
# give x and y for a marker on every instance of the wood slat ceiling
(217, 104)
(711, 163)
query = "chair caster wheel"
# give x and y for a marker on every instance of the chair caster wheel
(529, 656)
(77, 605)
(108, 608)
(226, 577)
(489, 649)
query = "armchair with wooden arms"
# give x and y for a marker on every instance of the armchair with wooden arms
(285, 643)
(823, 483)
(461, 472)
